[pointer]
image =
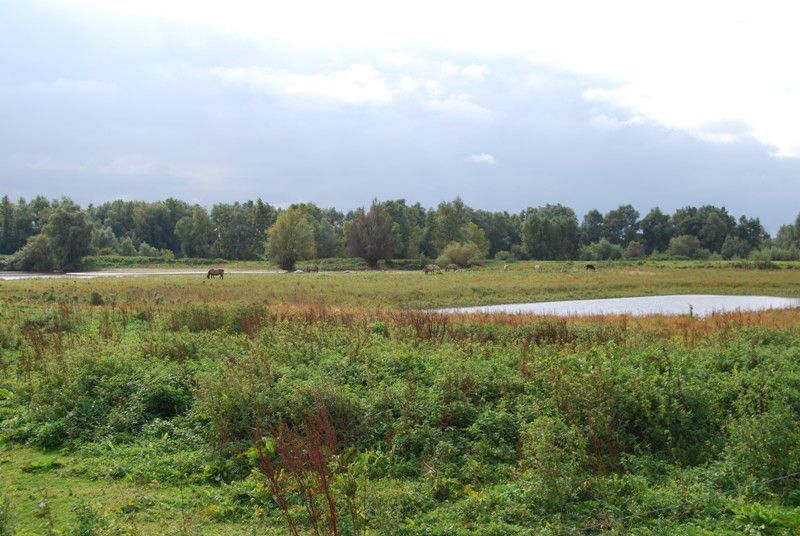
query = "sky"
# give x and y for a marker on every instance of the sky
(506, 104)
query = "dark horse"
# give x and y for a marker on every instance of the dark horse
(216, 271)
(591, 267)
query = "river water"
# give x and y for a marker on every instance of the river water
(681, 304)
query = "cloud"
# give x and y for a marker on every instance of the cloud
(396, 59)
(483, 158)
(604, 121)
(355, 85)
(475, 71)
(459, 104)
(682, 64)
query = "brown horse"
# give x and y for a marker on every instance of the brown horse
(431, 268)
(214, 272)
(451, 266)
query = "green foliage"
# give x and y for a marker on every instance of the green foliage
(36, 256)
(601, 251)
(684, 246)
(460, 254)
(290, 239)
(370, 235)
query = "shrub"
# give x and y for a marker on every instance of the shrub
(635, 250)
(460, 254)
(36, 256)
(684, 246)
(601, 251)
(504, 255)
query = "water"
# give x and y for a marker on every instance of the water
(701, 305)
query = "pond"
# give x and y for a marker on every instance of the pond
(680, 304)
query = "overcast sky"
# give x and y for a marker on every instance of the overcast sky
(590, 104)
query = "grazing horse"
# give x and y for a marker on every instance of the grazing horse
(431, 268)
(591, 267)
(451, 266)
(312, 268)
(505, 267)
(214, 272)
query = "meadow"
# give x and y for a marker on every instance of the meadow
(333, 403)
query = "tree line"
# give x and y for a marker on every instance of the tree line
(44, 234)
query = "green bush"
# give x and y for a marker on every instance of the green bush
(457, 253)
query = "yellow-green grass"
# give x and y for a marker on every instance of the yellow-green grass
(34, 480)
(403, 289)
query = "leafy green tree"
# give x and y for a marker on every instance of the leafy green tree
(550, 232)
(621, 225)
(448, 222)
(474, 234)
(196, 233)
(127, 248)
(290, 239)
(592, 227)
(370, 235)
(103, 240)
(713, 233)
(70, 235)
(657, 231)
(8, 243)
(751, 231)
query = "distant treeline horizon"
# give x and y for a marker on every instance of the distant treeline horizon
(386, 230)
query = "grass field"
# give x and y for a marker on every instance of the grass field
(413, 289)
(328, 403)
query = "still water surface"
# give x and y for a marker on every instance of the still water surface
(701, 305)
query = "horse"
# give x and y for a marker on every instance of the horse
(451, 266)
(505, 267)
(214, 272)
(431, 268)
(591, 267)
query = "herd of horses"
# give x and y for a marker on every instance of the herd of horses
(427, 269)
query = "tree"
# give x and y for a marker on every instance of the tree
(370, 235)
(127, 248)
(195, 233)
(656, 231)
(550, 232)
(104, 241)
(592, 227)
(621, 225)
(290, 239)
(474, 234)
(70, 237)
(751, 231)
(713, 233)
